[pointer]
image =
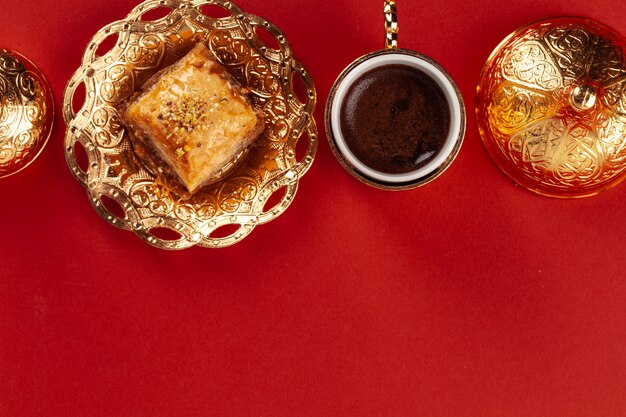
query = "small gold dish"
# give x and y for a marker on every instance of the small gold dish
(551, 107)
(26, 112)
(122, 190)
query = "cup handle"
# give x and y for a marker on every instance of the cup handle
(391, 24)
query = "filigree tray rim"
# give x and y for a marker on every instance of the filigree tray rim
(287, 178)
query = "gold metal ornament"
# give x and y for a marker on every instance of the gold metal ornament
(114, 176)
(551, 107)
(391, 24)
(26, 112)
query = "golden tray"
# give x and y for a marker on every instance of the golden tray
(122, 190)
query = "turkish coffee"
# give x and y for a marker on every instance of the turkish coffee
(395, 118)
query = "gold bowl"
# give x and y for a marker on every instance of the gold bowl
(122, 190)
(551, 107)
(26, 112)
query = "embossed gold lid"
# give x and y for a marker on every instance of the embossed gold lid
(26, 112)
(551, 107)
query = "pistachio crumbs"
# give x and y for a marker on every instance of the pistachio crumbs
(187, 115)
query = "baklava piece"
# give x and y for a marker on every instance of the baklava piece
(193, 117)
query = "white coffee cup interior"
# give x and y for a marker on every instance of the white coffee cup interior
(442, 81)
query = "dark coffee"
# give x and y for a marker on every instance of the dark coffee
(395, 119)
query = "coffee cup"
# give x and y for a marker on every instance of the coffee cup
(395, 119)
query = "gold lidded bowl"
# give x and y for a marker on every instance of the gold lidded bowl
(551, 107)
(123, 190)
(26, 112)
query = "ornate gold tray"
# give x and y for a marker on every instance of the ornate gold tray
(122, 190)
(551, 107)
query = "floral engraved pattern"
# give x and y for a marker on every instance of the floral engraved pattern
(568, 154)
(261, 79)
(608, 63)
(108, 131)
(119, 84)
(228, 49)
(515, 107)
(525, 112)
(529, 64)
(142, 50)
(146, 52)
(615, 98)
(612, 131)
(25, 107)
(572, 48)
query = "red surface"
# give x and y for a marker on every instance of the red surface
(467, 297)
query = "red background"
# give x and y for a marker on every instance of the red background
(467, 297)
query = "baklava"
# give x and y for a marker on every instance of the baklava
(193, 117)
